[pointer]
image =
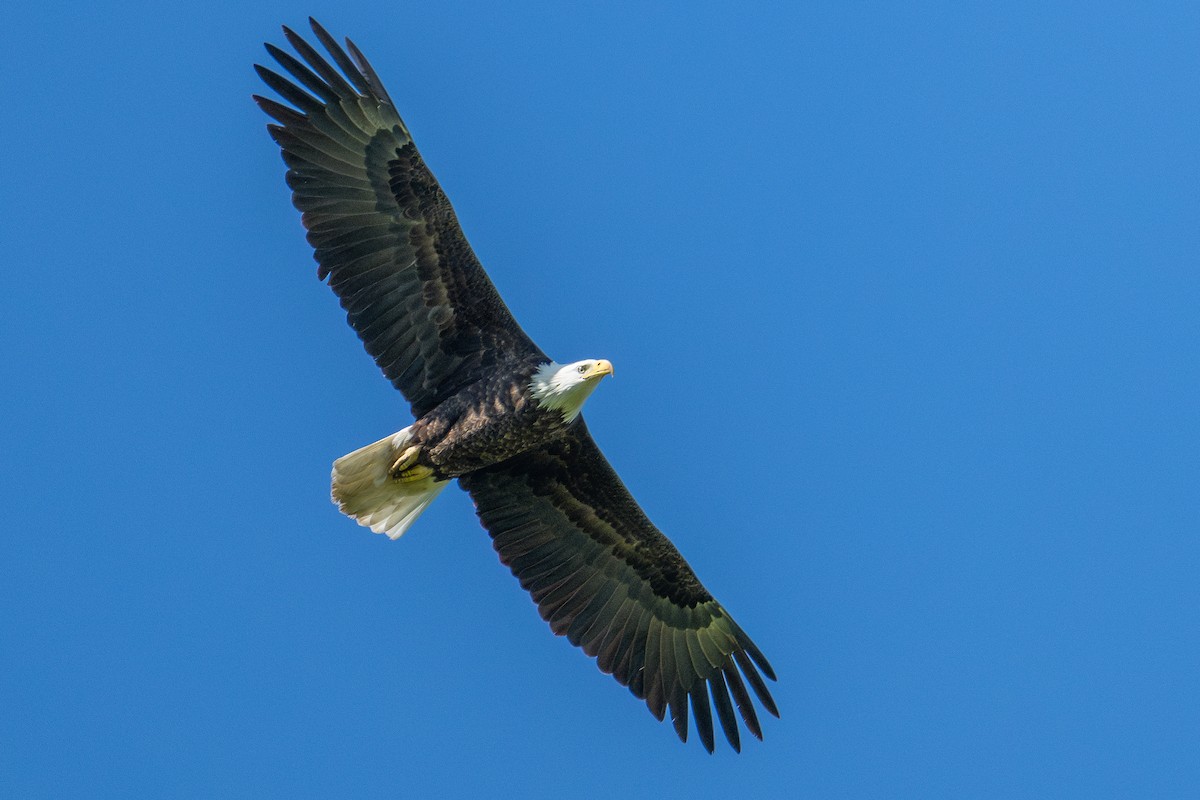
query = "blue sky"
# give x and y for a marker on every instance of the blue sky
(904, 307)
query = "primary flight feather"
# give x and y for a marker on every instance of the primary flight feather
(491, 409)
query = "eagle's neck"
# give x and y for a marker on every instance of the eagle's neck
(558, 387)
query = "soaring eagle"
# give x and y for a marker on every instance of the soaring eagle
(491, 409)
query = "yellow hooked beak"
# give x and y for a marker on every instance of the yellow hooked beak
(603, 367)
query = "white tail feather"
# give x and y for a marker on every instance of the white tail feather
(363, 490)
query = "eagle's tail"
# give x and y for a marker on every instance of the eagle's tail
(364, 491)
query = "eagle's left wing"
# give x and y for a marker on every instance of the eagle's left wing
(382, 229)
(606, 578)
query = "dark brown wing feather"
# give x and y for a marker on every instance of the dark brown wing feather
(603, 576)
(384, 233)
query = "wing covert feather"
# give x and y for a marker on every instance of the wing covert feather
(605, 577)
(383, 232)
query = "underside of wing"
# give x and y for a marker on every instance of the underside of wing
(383, 231)
(603, 576)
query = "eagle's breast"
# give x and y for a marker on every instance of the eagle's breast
(487, 422)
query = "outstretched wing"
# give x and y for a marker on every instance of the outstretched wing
(384, 233)
(606, 578)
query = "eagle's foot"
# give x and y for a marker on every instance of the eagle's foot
(414, 474)
(405, 469)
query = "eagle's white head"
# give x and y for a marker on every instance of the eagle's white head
(565, 386)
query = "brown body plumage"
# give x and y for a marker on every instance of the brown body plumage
(485, 423)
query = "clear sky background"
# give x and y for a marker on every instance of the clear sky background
(905, 311)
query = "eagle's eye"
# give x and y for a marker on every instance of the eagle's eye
(583, 367)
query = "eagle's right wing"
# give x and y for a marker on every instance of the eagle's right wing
(606, 578)
(383, 231)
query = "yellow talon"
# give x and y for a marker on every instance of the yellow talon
(413, 474)
(406, 464)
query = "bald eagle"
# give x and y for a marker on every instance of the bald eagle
(491, 409)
